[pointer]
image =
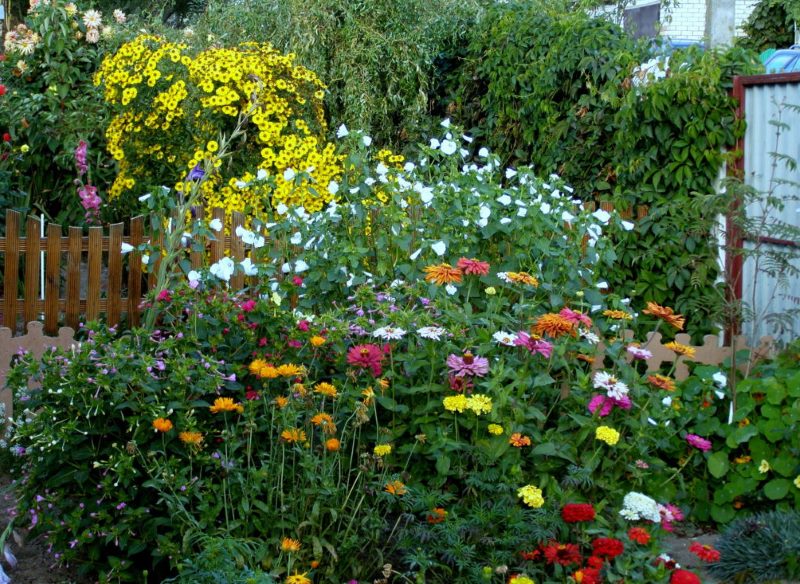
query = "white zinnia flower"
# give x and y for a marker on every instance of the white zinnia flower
(119, 16)
(93, 19)
(388, 333)
(504, 338)
(431, 332)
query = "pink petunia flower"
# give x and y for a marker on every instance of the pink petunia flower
(468, 364)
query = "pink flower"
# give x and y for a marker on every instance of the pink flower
(606, 404)
(367, 356)
(698, 442)
(80, 158)
(89, 199)
(468, 364)
(473, 266)
(248, 305)
(669, 515)
(533, 344)
(164, 296)
(638, 353)
(575, 317)
(460, 384)
(297, 281)
(302, 325)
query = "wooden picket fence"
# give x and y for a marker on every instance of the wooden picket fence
(114, 283)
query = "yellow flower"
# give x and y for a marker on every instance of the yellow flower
(162, 425)
(382, 450)
(281, 402)
(369, 395)
(297, 579)
(24, 148)
(495, 429)
(332, 444)
(192, 438)
(317, 341)
(212, 146)
(617, 315)
(531, 496)
(521, 580)
(293, 435)
(324, 420)
(479, 403)
(797, 482)
(606, 434)
(226, 404)
(680, 349)
(396, 488)
(490, 291)
(290, 370)
(290, 545)
(764, 467)
(455, 403)
(742, 459)
(326, 389)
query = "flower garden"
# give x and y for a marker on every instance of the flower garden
(435, 371)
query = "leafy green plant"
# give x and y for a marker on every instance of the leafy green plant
(770, 25)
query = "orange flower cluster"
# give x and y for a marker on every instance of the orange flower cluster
(518, 440)
(162, 425)
(396, 488)
(666, 314)
(264, 370)
(553, 325)
(226, 404)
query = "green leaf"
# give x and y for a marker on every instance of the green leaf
(718, 464)
(777, 488)
(722, 514)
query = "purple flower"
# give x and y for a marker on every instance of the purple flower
(468, 364)
(698, 442)
(533, 344)
(121, 506)
(80, 158)
(89, 199)
(638, 353)
(196, 173)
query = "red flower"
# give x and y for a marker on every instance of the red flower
(705, 552)
(575, 512)
(6, 137)
(531, 556)
(684, 577)
(473, 266)
(607, 547)
(366, 357)
(595, 562)
(639, 535)
(562, 553)
(251, 395)
(2, 89)
(587, 576)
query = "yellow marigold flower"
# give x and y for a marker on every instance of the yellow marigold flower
(617, 315)
(162, 425)
(297, 579)
(382, 450)
(553, 325)
(395, 488)
(606, 434)
(662, 382)
(293, 435)
(290, 545)
(479, 403)
(326, 389)
(531, 496)
(318, 341)
(332, 444)
(442, 274)
(192, 438)
(291, 370)
(521, 580)
(281, 402)
(680, 349)
(495, 429)
(764, 467)
(455, 403)
(226, 404)
(666, 314)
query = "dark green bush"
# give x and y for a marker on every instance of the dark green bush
(770, 25)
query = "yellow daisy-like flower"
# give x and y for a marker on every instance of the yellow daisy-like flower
(318, 341)
(191, 438)
(495, 429)
(162, 425)
(764, 467)
(293, 435)
(291, 370)
(531, 495)
(680, 349)
(290, 545)
(325, 421)
(281, 402)
(617, 315)
(606, 434)
(522, 278)
(480, 404)
(225, 404)
(212, 146)
(382, 450)
(326, 389)
(455, 403)
(369, 395)
(297, 579)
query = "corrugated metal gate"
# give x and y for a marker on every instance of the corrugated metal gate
(770, 165)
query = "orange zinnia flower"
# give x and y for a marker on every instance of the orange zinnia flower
(396, 488)
(442, 274)
(617, 315)
(679, 349)
(293, 435)
(553, 325)
(436, 515)
(662, 382)
(193, 438)
(162, 425)
(666, 314)
(518, 440)
(226, 404)
(522, 278)
(290, 545)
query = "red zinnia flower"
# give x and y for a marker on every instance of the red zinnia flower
(639, 535)
(607, 547)
(473, 266)
(705, 552)
(595, 562)
(562, 553)
(684, 577)
(587, 576)
(366, 357)
(575, 512)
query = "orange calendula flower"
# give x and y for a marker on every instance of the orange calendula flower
(281, 402)
(256, 366)
(679, 349)
(226, 404)
(191, 438)
(293, 435)
(332, 444)
(383, 383)
(291, 370)
(436, 515)
(522, 278)
(518, 440)
(553, 325)
(661, 382)
(263, 370)
(617, 315)
(326, 389)
(442, 274)
(317, 341)
(162, 425)
(395, 488)
(666, 314)
(325, 421)
(290, 545)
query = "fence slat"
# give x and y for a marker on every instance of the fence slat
(237, 250)
(11, 278)
(218, 246)
(114, 274)
(52, 278)
(135, 271)
(157, 239)
(197, 256)
(74, 256)
(32, 265)
(95, 268)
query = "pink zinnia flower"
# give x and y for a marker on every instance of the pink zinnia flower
(606, 404)
(575, 317)
(638, 353)
(468, 364)
(366, 357)
(669, 515)
(698, 442)
(533, 344)
(473, 266)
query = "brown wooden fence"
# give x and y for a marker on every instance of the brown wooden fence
(86, 273)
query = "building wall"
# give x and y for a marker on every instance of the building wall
(688, 19)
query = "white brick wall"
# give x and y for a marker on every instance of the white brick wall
(688, 19)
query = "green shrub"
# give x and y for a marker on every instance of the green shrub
(770, 25)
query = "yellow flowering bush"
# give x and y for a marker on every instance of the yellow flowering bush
(172, 106)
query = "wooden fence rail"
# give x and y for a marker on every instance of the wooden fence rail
(85, 274)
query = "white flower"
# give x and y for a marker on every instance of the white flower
(342, 131)
(652, 422)
(504, 338)
(409, 167)
(450, 289)
(467, 139)
(483, 152)
(449, 147)
(439, 247)
(366, 140)
(119, 16)
(240, 184)
(415, 255)
(434, 143)
(193, 276)
(289, 174)
(92, 19)
(590, 336)
(426, 194)
(250, 269)
(602, 216)
(667, 401)
(618, 391)
(216, 225)
(388, 333)
(245, 235)
(720, 379)
(381, 169)
(300, 266)
(504, 200)
(567, 217)
(431, 332)
(145, 259)
(522, 212)
(545, 208)
(627, 225)
(445, 123)
(505, 221)
(143, 198)
(510, 173)
(636, 506)
(602, 285)
(223, 269)
(261, 174)
(281, 209)
(297, 238)
(126, 248)
(484, 211)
